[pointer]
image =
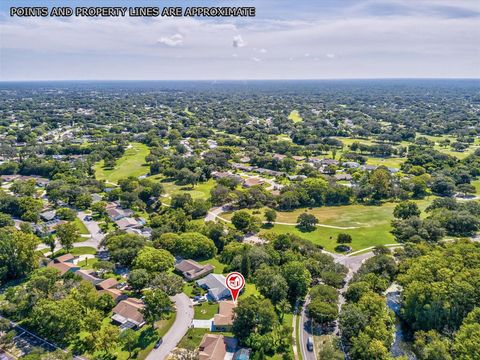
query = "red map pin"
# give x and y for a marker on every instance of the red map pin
(235, 282)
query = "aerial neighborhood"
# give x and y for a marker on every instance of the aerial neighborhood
(352, 212)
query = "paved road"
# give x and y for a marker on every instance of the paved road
(306, 331)
(353, 263)
(179, 328)
(93, 240)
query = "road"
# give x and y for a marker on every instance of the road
(306, 331)
(353, 263)
(184, 318)
(93, 240)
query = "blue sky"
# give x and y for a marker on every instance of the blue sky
(302, 39)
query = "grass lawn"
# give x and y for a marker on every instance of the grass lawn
(83, 250)
(249, 289)
(192, 338)
(295, 116)
(81, 226)
(372, 224)
(297, 337)
(132, 163)
(205, 311)
(448, 150)
(394, 162)
(199, 191)
(219, 267)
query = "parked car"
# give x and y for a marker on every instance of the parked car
(88, 218)
(310, 343)
(158, 343)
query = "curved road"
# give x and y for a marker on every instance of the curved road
(183, 320)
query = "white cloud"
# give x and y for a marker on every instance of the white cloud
(238, 42)
(330, 56)
(263, 51)
(256, 59)
(172, 41)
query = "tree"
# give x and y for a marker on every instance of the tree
(138, 279)
(271, 284)
(284, 307)
(242, 220)
(343, 238)
(50, 242)
(307, 222)
(129, 339)
(153, 260)
(106, 339)
(298, 279)
(67, 234)
(322, 312)
(171, 284)
(124, 248)
(6, 220)
(431, 346)
(18, 256)
(157, 306)
(253, 316)
(270, 215)
(100, 208)
(66, 214)
(467, 338)
(405, 210)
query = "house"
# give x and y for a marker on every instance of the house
(89, 276)
(244, 159)
(223, 321)
(329, 162)
(106, 284)
(343, 177)
(351, 164)
(212, 347)
(48, 215)
(252, 182)
(117, 295)
(67, 258)
(127, 222)
(215, 285)
(219, 174)
(298, 158)
(369, 167)
(9, 178)
(128, 314)
(279, 156)
(118, 213)
(191, 270)
(297, 177)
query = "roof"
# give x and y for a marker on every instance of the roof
(114, 293)
(107, 284)
(212, 347)
(252, 182)
(193, 270)
(63, 267)
(127, 222)
(48, 215)
(64, 258)
(213, 281)
(88, 275)
(225, 313)
(129, 310)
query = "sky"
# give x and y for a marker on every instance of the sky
(288, 39)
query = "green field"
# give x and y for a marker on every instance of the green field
(295, 116)
(448, 150)
(132, 163)
(199, 191)
(371, 224)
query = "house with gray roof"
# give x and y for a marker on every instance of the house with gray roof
(215, 285)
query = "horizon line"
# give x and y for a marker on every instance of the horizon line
(250, 79)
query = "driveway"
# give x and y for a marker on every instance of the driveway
(96, 234)
(183, 320)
